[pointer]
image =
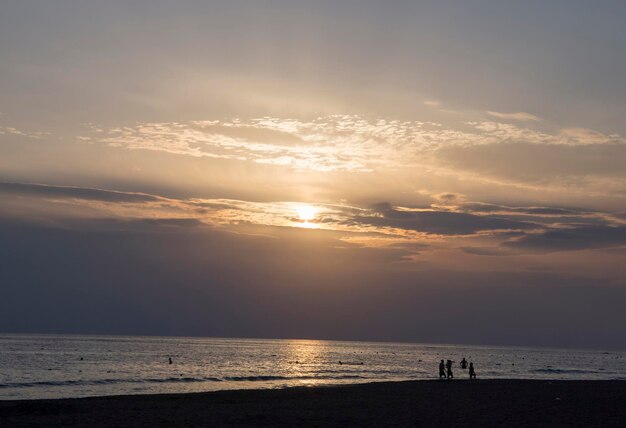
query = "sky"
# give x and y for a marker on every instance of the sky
(433, 171)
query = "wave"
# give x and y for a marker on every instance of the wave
(105, 382)
(563, 371)
(270, 378)
(172, 380)
(373, 371)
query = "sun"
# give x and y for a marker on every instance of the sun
(306, 212)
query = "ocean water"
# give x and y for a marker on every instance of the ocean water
(55, 366)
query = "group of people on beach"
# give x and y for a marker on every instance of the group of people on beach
(445, 370)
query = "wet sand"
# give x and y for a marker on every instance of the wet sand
(459, 403)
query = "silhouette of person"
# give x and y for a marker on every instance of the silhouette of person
(449, 369)
(442, 370)
(463, 363)
(472, 373)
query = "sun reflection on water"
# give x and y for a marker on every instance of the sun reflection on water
(305, 357)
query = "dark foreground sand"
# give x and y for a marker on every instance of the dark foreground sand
(482, 403)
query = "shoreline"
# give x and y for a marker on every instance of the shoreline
(482, 402)
(308, 387)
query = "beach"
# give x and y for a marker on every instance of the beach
(480, 403)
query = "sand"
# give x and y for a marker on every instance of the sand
(458, 403)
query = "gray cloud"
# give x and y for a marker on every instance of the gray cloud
(43, 190)
(180, 222)
(486, 251)
(585, 229)
(438, 222)
(541, 211)
(578, 238)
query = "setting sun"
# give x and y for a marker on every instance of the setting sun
(306, 212)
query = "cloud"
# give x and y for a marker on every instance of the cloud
(44, 190)
(499, 132)
(9, 130)
(519, 116)
(487, 251)
(436, 222)
(586, 136)
(503, 209)
(571, 239)
(178, 222)
(347, 149)
(449, 198)
(336, 143)
(382, 225)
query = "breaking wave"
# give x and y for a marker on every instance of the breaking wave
(563, 371)
(173, 380)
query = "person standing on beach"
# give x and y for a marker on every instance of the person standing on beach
(442, 370)
(449, 369)
(472, 373)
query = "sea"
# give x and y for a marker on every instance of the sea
(61, 366)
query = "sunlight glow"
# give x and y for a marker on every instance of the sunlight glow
(306, 212)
